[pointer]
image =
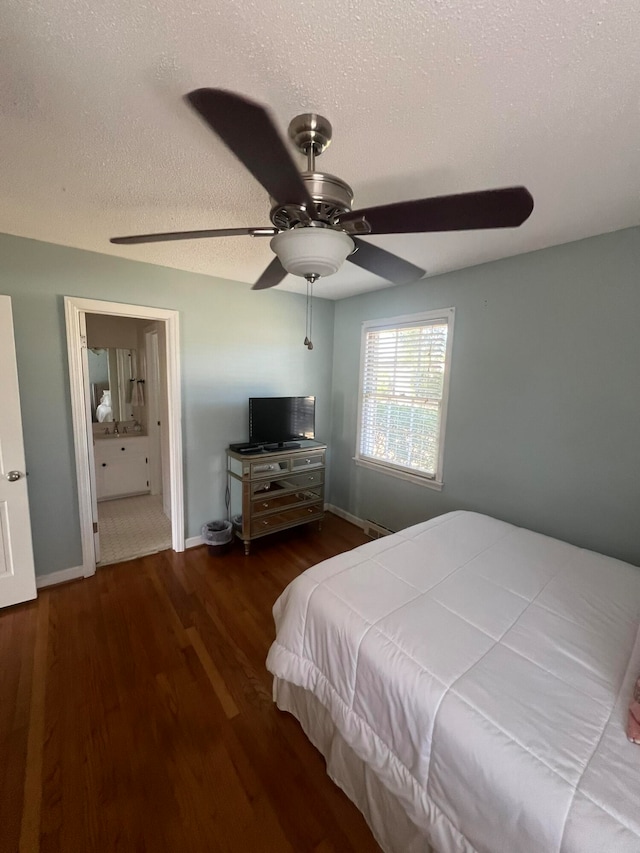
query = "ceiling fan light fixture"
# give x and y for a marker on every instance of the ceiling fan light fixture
(312, 251)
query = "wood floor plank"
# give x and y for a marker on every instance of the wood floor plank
(30, 828)
(17, 631)
(217, 682)
(174, 620)
(136, 712)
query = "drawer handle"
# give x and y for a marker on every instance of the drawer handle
(104, 464)
(310, 509)
(265, 523)
(265, 504)
(123, 448)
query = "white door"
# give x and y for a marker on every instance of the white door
(86, 391)
(17, 573)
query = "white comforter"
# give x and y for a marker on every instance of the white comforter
(484, 672)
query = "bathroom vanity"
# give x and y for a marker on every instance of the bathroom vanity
(122, 465)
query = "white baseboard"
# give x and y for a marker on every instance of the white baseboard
(62, 576)
(76, 572)
(194, 541)
(341, 513)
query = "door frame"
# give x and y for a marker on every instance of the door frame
(152, 387)
(75, 309)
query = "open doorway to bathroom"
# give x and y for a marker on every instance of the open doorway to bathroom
(125, 390)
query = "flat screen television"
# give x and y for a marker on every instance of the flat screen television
(279, 420)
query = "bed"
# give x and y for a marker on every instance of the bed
(468, 682)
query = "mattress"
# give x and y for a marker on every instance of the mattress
(483, 673)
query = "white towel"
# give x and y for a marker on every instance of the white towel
(137, 393)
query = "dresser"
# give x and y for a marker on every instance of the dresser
(275, 490)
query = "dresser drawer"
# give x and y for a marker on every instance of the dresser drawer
(275, 501)
(271, 468)
(287, 518)
(267, 487)
(309, 478)
(310, 460)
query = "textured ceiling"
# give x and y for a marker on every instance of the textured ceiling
(426, 97)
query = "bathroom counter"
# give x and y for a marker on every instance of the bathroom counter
(101, 436)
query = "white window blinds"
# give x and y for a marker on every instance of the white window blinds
(403, 393)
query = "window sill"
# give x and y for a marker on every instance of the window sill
(418, 479)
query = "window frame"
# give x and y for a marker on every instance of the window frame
(422, 318)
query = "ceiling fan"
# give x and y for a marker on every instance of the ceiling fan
(313, 228)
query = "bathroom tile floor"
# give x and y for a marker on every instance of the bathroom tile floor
(132, 527)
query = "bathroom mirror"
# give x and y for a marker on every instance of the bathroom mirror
(110, 373)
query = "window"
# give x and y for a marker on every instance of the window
(403, 395)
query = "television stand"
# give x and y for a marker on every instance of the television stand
(273, 490)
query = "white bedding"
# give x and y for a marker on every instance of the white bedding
(484, 672)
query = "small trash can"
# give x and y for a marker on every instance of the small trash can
(218, 536)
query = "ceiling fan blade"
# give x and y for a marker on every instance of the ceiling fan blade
(248, 130)
(503, 208)
(379, 261)
(193, 235)
(273, 275)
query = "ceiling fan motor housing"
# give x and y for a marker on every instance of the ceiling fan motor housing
(331, 197)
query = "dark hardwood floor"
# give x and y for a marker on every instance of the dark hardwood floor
(136, 712)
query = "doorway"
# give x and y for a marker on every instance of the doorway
(129, 453)
(127, 388)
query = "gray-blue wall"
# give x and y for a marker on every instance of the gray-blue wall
(234, 343)
(544, 411)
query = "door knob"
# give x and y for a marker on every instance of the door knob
(12, 476)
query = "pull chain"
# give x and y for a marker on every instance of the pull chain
(309, 318)
(310, 286)
(306, 318)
